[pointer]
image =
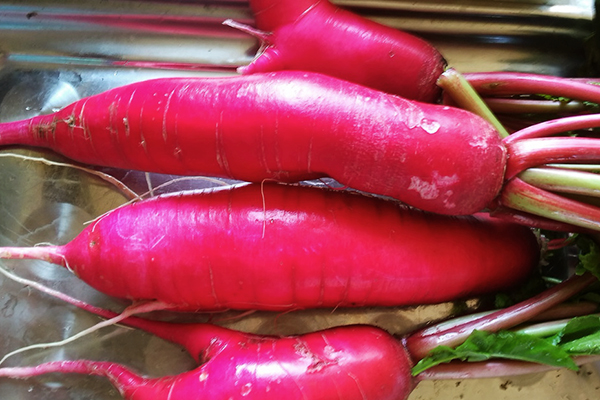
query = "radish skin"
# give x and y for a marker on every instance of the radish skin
(281, 247)
(317, 36)
(286, 126)
(332, 364)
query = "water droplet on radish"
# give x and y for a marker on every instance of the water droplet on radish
(430, 126)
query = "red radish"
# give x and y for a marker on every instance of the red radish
(351, 362)
(291, 126)
(317, 36)
(331, 364)
(286, 126)
(281, 247)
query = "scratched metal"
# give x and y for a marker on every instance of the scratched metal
(54, 52)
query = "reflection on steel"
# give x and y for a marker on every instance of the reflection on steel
(522, 35)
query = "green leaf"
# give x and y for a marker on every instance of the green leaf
(577, 328)
(482, 346)
(581, 336)
(439, 355)
(588, 345)
(589, 256)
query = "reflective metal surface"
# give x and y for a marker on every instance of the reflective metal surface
(54, 52)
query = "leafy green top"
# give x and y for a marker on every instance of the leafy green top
(579, 336)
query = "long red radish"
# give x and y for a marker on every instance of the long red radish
(291, 126)
(317, 36)
(350, 362)
(285, 126)
(282, 247)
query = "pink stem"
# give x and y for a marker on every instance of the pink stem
(555, 127)
(491, 369)
(420, 343)
(522, 196)
(515, 124)
(527, 153)
(566, 310)
(510, 105)
(515, 83)
(535, 221)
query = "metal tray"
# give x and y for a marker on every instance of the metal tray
(55, 52)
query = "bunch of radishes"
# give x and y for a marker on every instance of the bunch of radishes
(330, 95)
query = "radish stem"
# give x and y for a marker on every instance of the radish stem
(534, 221)
(529, 153)
(544, 329)
(466, 97)
(534, 106)
(491, 369)
(514, 83)
(565, 181)
(419, 344)
(522, 196)
(555, 127)
(577, 167)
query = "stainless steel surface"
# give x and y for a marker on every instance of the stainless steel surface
(475, 35)
(544, 36)
(54, 52)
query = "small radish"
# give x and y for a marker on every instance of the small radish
(348, 362)
(282, 247)
(317, 36)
